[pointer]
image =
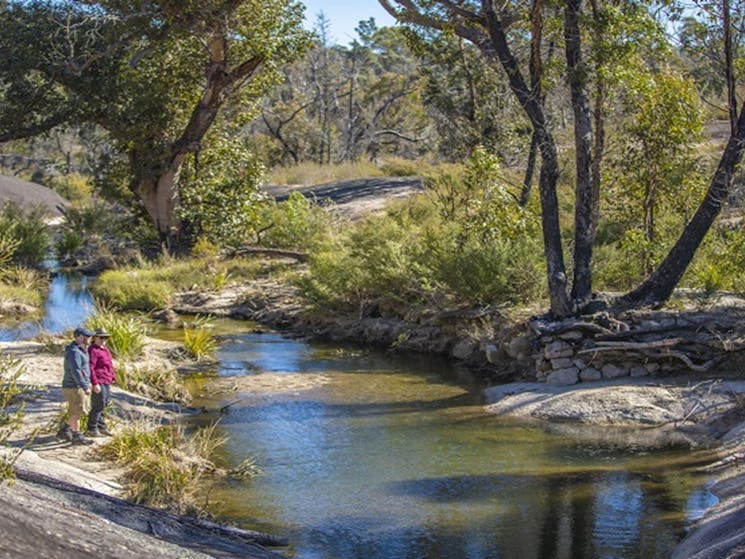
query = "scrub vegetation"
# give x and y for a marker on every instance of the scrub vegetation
(164, 466)
(11, 413)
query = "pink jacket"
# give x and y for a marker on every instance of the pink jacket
(102, 365)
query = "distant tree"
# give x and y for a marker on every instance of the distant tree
(470, 102)
(342, 103)
(154, 74)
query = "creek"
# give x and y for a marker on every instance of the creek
(68, 304)
(394, 457)
(383, 456)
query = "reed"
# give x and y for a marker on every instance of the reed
(158, 383)
(199, 341)
(127, 332)
(164, 466)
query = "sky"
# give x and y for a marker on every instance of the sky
(344, 15)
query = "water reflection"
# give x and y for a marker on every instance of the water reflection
(68, 304)
(395, 459)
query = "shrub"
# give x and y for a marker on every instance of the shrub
(68, 243)
(72, 186)
(412, 258)
(297, 223)
(10, 420)
(163, 466)
(30, 233)
(719, 263)
(127, 340)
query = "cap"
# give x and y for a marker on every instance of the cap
(82, 331)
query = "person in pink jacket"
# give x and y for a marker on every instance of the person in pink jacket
(102, 377)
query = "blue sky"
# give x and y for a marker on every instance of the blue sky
(344, 15)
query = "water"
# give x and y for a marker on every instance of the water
(395, 458)
(68, 304)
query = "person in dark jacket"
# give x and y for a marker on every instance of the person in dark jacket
(102, 377)
(76, 385)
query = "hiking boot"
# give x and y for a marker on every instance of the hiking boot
(64, 433)
(93, 433)
(77, 438)
(105, 431)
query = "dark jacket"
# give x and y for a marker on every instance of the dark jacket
(102, 365)
(77, 368)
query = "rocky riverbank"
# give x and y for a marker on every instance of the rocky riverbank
(641, 380)
(695, 408)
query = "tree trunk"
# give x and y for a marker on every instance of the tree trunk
(529, 170)
(659, 286)
(553, 252)
(584, 222)
(160, 197)
(158, 189)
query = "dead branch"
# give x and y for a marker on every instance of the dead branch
(554, 328)
(242, 251)
(622, 346)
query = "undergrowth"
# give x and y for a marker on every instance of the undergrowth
(11, 415)
(164, 467)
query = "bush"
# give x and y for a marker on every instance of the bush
(298, 223)
(27, 233)
(73, 186)
(719, 263)
(128, 333)
(163, 466)
(465, 242)
(414, 257)
(10, 420)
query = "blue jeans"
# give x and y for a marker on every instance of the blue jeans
(98, 404)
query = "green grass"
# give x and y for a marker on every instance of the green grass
(23, 285)
(150, 288)
(164, 467)
(127, 340)
(199, 341)
(11, 415)
(157, 383)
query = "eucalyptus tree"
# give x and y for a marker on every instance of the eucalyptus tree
(591, 34)
(155, 74)
(720, 16)
(343, 103)
(469, 102)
